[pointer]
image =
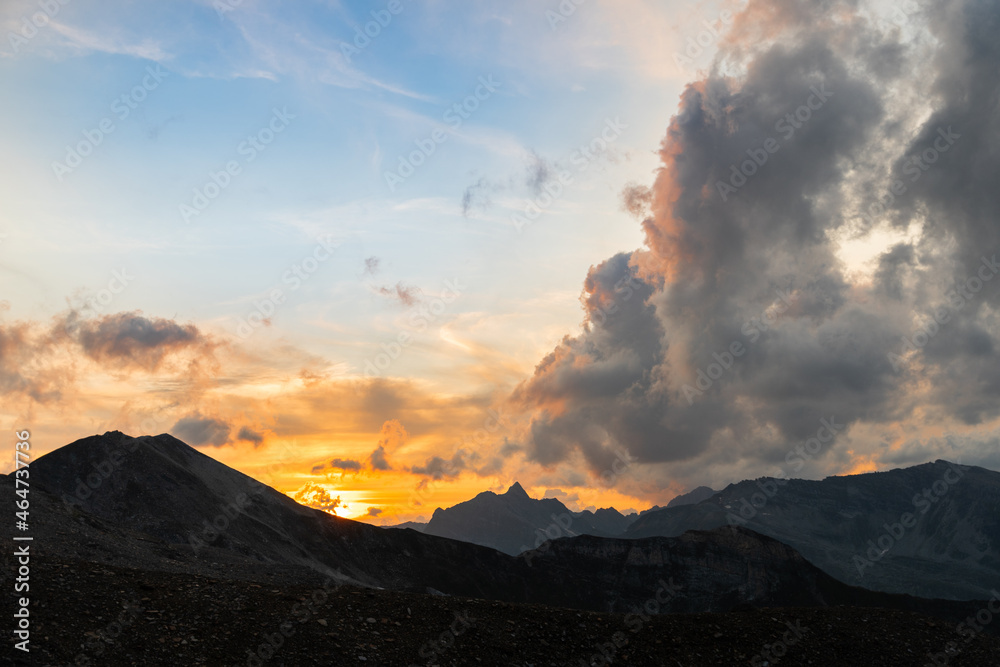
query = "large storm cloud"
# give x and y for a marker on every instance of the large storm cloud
(739, 326)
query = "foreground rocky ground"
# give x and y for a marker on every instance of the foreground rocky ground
(98, 614)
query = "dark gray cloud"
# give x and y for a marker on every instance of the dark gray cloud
(249, 435)
(762, 172)
(378, 460)
(133, 340)
(33, 357)
(348, 465)
(345, 464)
(440, 468)
(199, 430)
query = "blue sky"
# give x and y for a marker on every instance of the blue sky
(201, 234)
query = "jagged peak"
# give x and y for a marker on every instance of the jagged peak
(516, 491)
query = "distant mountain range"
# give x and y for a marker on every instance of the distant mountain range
(851, 527)
(514, 522)
(156, 504)
(931, 530)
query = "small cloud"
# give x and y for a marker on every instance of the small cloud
(197, 430)
(540, 172)
(374, 511)
(476, 196)
(349, 465)
(317, 497)
(408, 296)
(345, 464)
(391, 437)
(636, 199)
(378, 460)
(439, 468)
(153, 133)
(372, 265)
(132, 339)
(249, 435)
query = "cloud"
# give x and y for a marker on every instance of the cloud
(540, 171)
(477, 196)
(77, 38)
(132, 340)
(317, 497)
(374, 511)
(197, 430)
(636, 199)
(349, 465)
(26, 367)
(378, 460)
(391, 437)
(438, 468)
(372, 265)
(248, 434)
(739, 249)
(407, 296)
(345, 464)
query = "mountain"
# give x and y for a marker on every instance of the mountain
(156, 504)
(514, 522)
(415, 525)
(217, 563)
(931, 530)
(692, 497)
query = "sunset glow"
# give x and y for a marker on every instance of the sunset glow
(271, 257)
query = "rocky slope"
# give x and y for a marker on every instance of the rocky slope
(931, 530)
(104, 615)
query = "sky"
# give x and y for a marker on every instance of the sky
(384, 256)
